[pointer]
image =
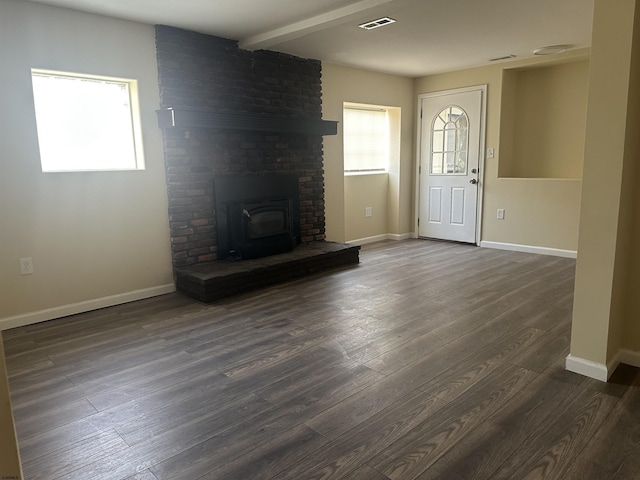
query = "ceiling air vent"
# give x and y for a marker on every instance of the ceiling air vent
(506, 57)
(381, 22)
(551, 49)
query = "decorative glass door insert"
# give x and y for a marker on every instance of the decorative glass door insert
(449, 142)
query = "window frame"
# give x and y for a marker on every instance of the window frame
(372, 108)
(137, 162)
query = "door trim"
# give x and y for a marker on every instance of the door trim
(481, 152)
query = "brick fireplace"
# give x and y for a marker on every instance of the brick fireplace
(216, 86)
(230, 114)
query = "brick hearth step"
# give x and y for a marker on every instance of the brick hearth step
(209, 282)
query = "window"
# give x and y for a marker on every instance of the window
(366, 133)
(86, 122)
(449, 143)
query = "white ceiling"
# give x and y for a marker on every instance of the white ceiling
(430, 36)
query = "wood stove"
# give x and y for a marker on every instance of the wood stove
(256, 216)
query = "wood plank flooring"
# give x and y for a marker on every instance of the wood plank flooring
(429, 360)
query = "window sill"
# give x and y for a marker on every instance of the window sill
(357, 174)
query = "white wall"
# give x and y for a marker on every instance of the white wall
(550, 117)
(96, 238)
(605, 307)
(390, 196)
(542, 213)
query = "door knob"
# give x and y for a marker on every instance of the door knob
(473, 181)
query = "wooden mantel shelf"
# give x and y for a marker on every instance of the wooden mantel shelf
(183, 118)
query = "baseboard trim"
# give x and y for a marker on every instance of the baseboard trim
(629, 357)
(600, 371)
(381, 238)
(556, 252)
(81, 307)
(582, 366)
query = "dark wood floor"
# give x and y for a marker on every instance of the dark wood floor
(428, 360)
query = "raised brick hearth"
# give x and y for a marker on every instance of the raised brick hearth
(210, 282)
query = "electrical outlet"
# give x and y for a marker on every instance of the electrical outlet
(26, 266)
(501, 214)
(368, 212)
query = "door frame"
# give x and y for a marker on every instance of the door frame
(481, 152)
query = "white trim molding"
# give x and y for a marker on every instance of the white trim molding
(629, 357)
(556, 252)
(582, 366)
(600, 371)
(382, 238)
(86, 306)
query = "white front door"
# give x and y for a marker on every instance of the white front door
(450, 148)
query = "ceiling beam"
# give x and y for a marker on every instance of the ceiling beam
(298, 29)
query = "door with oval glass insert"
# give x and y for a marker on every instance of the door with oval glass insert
(450, 135)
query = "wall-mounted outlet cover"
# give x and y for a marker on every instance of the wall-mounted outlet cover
(501, 214)
(26, 266)
(368, 212)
